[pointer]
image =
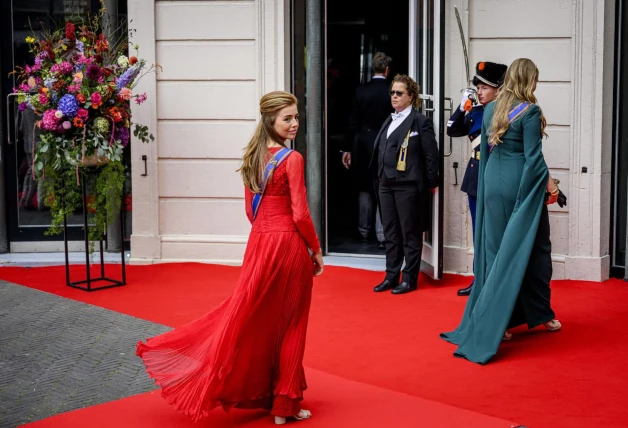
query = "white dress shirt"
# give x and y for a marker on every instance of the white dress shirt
(397, 119)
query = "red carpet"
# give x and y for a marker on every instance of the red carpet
(574, 378)
(334, 402)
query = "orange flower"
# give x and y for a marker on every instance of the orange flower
(132, 60)
(78, 122)
(81, 98)
(115, 113)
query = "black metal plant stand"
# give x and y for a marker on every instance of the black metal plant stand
(87, 284)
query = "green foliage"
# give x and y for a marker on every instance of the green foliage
(63, 195)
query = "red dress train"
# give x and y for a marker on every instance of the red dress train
(248, 352)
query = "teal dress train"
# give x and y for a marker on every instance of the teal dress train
(513, 264)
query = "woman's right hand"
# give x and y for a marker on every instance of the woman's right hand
(551, 199)
(317, 259)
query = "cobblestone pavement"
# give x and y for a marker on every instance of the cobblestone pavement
(58, 355)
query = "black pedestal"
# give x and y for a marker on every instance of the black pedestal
(88, 284)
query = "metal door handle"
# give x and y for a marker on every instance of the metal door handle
(451, 140)
(8, 114)
(9, 117)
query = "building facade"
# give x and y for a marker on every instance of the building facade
(217, 58)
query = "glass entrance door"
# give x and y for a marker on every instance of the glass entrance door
(427, 65)
(27, 216)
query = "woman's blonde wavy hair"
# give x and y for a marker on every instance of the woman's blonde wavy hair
(256, 152)
(519, 83)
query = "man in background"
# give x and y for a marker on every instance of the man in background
(371, 107)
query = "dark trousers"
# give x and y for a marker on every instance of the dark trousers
(472, 209)
(533, 303)
(401, 208)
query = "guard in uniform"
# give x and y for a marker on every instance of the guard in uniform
(467, 120)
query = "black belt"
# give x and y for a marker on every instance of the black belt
(475, 154)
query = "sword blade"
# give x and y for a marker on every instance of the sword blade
(464, 45)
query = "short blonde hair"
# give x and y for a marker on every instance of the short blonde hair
(411, 86)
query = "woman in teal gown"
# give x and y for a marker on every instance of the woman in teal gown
(513, 264)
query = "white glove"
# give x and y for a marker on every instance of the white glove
(466, 95)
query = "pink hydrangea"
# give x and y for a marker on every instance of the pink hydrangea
(50, 121)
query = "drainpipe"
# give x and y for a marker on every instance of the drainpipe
(4, 239)
(314, 112)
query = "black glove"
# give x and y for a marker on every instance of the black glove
(562, 199)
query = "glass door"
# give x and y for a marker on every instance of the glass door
(427, 66)
(27, 216)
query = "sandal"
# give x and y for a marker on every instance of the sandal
(301, 416)
(553, 325)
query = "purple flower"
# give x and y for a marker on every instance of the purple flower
(127, 77)
(121, 134)
(22, 106)
(69, 105)
(80, 46)
(93, 72)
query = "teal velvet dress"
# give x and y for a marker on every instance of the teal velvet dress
(513, 264)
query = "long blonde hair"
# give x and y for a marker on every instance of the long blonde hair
(256, 152)
(521, 78)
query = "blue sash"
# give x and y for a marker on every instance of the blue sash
(513, 115)
(517, 111)
(276, 160)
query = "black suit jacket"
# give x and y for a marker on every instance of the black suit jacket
(371, 106)
(422, 157)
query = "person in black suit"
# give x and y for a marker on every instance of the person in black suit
(371, 107)
(405, 164)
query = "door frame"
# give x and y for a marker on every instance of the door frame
(432, 59)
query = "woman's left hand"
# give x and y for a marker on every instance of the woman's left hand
(319, 266)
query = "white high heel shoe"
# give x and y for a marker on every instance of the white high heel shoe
(301, 416)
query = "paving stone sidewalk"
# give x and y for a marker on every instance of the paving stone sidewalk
(58, 355)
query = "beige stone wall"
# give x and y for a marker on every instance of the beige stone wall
(217, 57)
(572, 44)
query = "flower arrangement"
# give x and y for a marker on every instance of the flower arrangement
(81, 85)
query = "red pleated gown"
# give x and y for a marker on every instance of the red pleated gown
(248, 352)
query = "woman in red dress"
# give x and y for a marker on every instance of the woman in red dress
(248, 353)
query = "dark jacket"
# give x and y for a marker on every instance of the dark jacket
(422, 155)
(459, 125)
(371, 106)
